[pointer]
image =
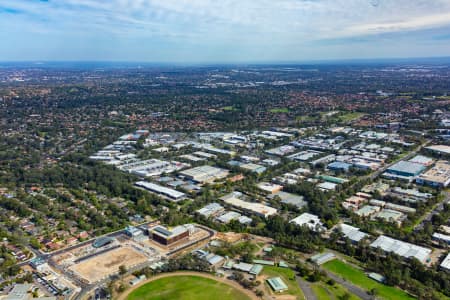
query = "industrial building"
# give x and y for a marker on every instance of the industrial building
(270, 188)
(102, 241)
(205, 174)
(401, 248)
(281, 151)
(133, 232)
(352, 233)
(390, 215)
(152, 167)
(439, 237)
(311, 221)
(404, 170)
(367, 210)
(255, 168)
(339, 166)
(305, 155)
(252, 207)
(331, 179)
(437, 176)
(228, 217)
(23, 292)
(171, 194)
(441, 149)
(211, 209)
(291, 199)
(167, 237)
(423, 160)
(445, 264)
(410, 195)
(327, 186)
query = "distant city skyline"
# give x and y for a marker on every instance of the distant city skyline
(228, 31)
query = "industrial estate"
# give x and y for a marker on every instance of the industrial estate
(247, 188)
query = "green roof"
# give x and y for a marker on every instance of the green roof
(256, 269)
(282, 264)
(228, 264)
(277, 284)
(264, 262)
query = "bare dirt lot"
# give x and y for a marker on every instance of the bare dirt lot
(98, 267)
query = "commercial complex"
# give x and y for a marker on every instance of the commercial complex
(352, 233)
(311, 221)
(205, 174)
(442, 149)
(401, 248)
(211, 209)
(256, 208)
(404, 170)
(167, 237)
(161, 190)
(437, 176)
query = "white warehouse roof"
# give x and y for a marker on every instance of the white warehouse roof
(310, 220)
(255, 207)
(158, 189)
(446, 263)
(401, 248)
(352, 233)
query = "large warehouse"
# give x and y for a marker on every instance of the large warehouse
(401, 248)
(161, 190)
(406, 168)
(205, 174)
(256, 208)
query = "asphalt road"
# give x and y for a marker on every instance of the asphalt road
(306, 288)
(436, 210)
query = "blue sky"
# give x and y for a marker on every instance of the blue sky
(222, 30)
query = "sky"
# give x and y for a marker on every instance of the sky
(221, 31)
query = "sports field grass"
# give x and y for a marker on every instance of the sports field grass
(288, 277)
(186, 288)
(360, 279)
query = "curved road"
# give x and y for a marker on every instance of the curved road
(306, 288)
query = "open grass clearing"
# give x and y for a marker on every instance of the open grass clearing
(327, 292)
(359, 278)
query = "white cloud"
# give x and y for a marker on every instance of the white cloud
(272, 26)
(308, 19)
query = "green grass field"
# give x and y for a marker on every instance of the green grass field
(186, 288)
(350, 116)
(360, 279)
(327, 292)
(279, 110)
(228, 108)
(288, 277)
